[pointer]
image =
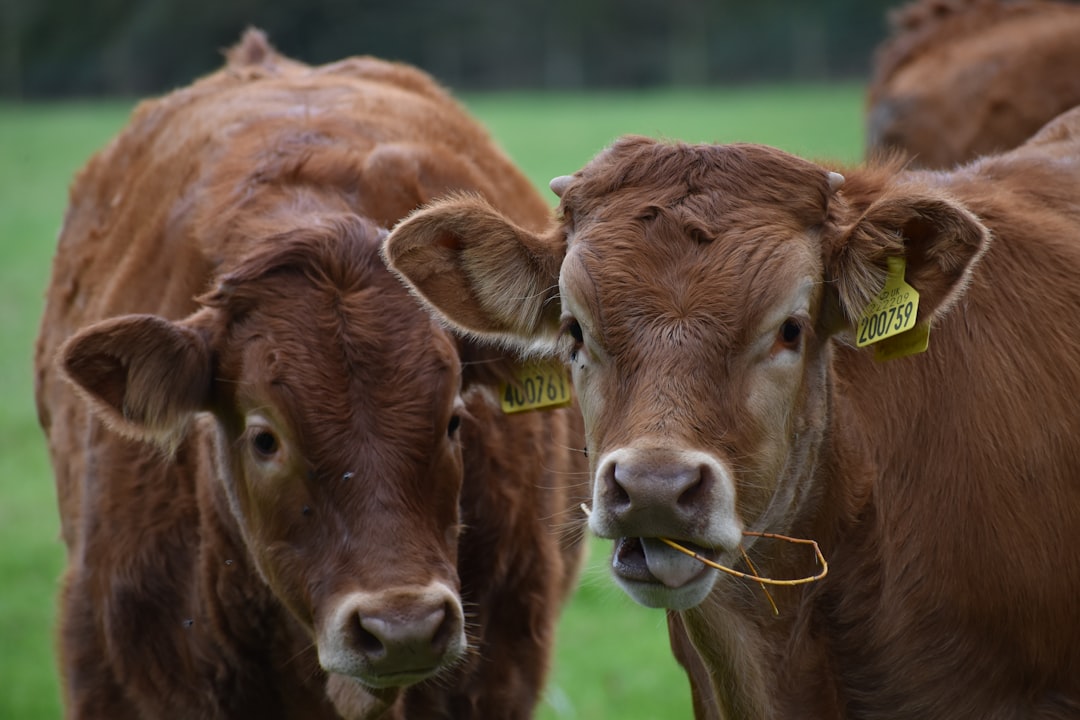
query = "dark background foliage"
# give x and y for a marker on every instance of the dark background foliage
(51, 48)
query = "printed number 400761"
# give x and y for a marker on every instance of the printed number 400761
(537, 389)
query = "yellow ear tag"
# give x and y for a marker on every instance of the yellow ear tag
(912, 342)
(538, 386)
(893, 311)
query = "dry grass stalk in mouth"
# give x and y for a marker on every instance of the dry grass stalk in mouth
(763, 581)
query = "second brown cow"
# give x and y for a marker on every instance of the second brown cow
(285, 491)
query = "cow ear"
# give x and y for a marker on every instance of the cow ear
(481, 273)
(939, 238)
(143, 375)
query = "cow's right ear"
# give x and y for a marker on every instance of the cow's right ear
(143, 375)
(480, 272)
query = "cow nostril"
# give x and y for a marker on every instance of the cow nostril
(691, 495)
(695, 490)
(444, 632)
(618, 495)
(366, 641)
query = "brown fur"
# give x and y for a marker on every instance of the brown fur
(218, 282)
(958, 79)
(943, 488)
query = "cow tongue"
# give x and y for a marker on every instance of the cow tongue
(668, 565)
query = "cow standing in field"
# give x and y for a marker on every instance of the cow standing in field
(285, 491)
(709, 300)
(960, 79)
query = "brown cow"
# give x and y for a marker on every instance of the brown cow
(706, 298)
(331, 505)
(962, 78)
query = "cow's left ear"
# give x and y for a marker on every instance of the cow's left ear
(480, 272)
(939, 238)
(145, 376)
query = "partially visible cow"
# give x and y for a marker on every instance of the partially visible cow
(962, 78)
(285, 491)
(707, 299)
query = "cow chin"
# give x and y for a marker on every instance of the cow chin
(658, 595)
(354, 701)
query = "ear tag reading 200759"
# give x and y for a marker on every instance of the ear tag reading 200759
(538, 386)
(889, 319)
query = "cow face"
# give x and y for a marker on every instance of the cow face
(699, 289)
(336, 406)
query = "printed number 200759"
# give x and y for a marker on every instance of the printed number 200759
(886, 322)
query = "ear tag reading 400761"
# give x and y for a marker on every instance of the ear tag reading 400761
(539, 386)
(889, 319)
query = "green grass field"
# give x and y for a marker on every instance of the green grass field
(613, 659)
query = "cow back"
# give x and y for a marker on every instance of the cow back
(955, 81)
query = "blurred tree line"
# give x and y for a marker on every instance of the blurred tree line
(52, 48)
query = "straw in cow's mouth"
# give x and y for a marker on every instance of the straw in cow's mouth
(753, 574)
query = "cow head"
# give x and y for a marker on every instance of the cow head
(695, 292)
(335, 405)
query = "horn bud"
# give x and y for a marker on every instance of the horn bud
(835, 181)
(559, 184)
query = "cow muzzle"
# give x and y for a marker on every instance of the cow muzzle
(643, 494)
(393, 638)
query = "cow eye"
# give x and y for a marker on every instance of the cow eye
(264, 442)
(789, 334)
(574, 328)
(455, 423)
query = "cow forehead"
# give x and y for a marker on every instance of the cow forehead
(362, 343)
(717, 184)
(671, 236)
(360, 362)
(652, 280)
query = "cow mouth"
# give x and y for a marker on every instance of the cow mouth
(399, 679)
(650, 560)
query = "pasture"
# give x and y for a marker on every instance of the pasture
(613, 659)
